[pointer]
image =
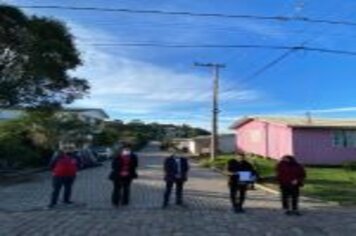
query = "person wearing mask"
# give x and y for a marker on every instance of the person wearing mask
(241, 173)
(123, 172)
(290, 176)
(64, 170)
(175, 173)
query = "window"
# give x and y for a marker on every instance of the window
(344, 138)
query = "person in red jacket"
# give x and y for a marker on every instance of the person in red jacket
(290, 175)
(64, 170)
(122, 174)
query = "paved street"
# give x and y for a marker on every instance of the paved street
(22, 208)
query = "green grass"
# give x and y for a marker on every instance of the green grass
(326, 183)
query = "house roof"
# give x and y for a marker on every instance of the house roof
(65, 109)
(300, 122)
(86, 110)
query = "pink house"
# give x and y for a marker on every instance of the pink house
(311, 141)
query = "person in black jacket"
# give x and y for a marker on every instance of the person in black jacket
(175, 173)
(236, 185)
(123, 172)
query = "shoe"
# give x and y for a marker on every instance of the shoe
(296, 213)
(237, 210)
(164, 206)
(288, 212)
(68, 202)
(50, 206)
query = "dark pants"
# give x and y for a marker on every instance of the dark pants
(234, 189)
(57, 183)
(121, 191)
(179, 191)
(290, 194)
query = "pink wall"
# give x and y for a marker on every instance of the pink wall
(265, 139)
(315, 146)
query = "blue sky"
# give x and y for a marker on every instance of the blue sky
(162, 85)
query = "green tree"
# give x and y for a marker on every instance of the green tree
(36, 55)
(108, 137)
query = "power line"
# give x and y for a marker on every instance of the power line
(275, 61)
(246, 46)
(262, 70)
(195, 14)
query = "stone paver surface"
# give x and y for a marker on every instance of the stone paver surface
(207, 211)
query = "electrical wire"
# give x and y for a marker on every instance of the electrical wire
(195, 14)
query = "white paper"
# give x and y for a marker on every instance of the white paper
(245, 176)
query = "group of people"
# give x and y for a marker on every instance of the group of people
(241, 174)
(290, 176)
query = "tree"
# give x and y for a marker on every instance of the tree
(108, 137)
(36, 55)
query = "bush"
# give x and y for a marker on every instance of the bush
(219, 163)
(350, 166)
(14, 154)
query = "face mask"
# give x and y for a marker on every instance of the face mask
(126, 152)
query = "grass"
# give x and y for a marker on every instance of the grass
(327, 183)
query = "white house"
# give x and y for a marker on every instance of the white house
(200, 145)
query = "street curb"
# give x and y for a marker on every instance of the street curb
(16, 174)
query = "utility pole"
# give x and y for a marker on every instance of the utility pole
(214, 143)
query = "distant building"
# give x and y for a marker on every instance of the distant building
(311, 141)
(200, 145)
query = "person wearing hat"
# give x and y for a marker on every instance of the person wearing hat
(175, 169)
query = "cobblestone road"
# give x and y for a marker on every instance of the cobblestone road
(22, 208)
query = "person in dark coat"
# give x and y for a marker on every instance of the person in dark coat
(64, 170)
(236, 185)
(123, 172)
(175, 173)
(290, 175)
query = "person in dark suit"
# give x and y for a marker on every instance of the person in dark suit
(123, 172)
(234, 166)
(175, 173)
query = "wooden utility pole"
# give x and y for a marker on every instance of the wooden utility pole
(214, 144)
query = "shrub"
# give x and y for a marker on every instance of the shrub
(350, 166)
(15, 154)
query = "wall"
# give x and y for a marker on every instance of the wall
(227, 143)
(265, 139)
(315, 146)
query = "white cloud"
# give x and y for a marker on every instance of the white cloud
(122, 84)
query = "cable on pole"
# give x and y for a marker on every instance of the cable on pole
(194, 14)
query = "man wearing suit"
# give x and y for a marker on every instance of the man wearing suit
(175, 173)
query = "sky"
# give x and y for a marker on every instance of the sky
(162, 85)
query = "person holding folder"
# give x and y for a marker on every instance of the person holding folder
(241, 173)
